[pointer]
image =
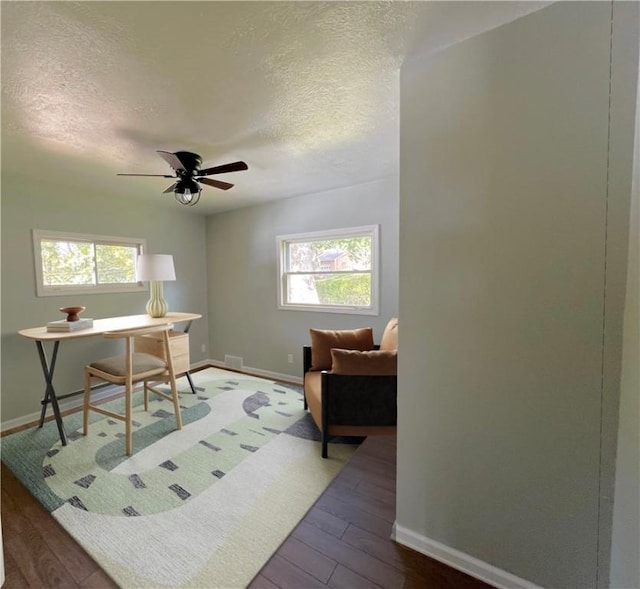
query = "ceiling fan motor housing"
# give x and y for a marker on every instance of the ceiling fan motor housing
(191, 161)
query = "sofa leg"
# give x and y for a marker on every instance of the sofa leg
(304, 399)
(325, 445)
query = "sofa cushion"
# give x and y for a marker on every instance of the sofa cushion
(322, 340)
(373, 363)
(389, 339)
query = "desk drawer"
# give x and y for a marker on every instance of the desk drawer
(178, 342)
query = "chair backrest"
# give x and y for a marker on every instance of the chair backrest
(129, 334)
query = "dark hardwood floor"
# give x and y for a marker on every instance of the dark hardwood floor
(38, 552)
(343, 541)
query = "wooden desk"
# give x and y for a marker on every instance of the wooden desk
(41, 335)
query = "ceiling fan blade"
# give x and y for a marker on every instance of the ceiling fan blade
(233, 167)
(215, 183)
(172, 160)
(156, 175)
(171, 188)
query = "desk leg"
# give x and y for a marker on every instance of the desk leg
(193, 388)
(50, 394)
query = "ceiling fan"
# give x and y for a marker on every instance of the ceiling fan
(186, 166)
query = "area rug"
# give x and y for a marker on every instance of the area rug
(206, 506)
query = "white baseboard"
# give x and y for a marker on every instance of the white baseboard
(76, 402)
(200, 365)
(259, 372)
(65, 405)
(459, 560)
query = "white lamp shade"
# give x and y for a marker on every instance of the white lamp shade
(155, 267)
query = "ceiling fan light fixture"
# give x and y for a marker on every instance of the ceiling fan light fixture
(187, 192)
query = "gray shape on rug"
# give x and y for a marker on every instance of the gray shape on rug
(161, 414)
(179, 491)
(253, 402)
(75, 501)
(169, 465)
(137, 482)
(85, 482)
(304, 428)
(210, 446)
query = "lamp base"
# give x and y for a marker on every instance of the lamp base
(156, 305)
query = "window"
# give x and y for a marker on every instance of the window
(73, 263)
(334, 271)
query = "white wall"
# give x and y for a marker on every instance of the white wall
(242, 267)
(509, 364)
(29, 203)
(625, 553)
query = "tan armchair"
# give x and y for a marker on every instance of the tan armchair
(350, 384)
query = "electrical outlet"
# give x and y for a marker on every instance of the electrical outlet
(290, 358)
(203, 348)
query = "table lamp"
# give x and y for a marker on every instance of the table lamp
(155, 268)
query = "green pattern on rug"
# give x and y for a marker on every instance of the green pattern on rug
(246, 462)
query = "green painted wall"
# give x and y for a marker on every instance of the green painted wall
(242, 265)
(29, 203)
(515, 179)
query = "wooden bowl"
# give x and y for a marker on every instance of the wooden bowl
(72, 312)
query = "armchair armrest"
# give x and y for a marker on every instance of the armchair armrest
(306, 359)
(359, 399)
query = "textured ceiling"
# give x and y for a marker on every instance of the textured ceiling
(305, 92)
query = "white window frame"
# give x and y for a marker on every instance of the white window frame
(44, 290)
(372, 231)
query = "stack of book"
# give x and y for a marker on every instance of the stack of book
(64, 325)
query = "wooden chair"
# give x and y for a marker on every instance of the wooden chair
(129, 369)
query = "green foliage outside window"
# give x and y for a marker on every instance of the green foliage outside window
(66, 262)
(115, 264)
(350, 289)
(82, 263)
(307, 256)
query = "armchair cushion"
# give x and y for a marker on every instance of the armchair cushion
(374, 363)
(322, 340)
(389, 339)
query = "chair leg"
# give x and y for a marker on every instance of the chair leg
(176, 403)
(85, 406)
(128, 418)
(146, 396)
(325, 443)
